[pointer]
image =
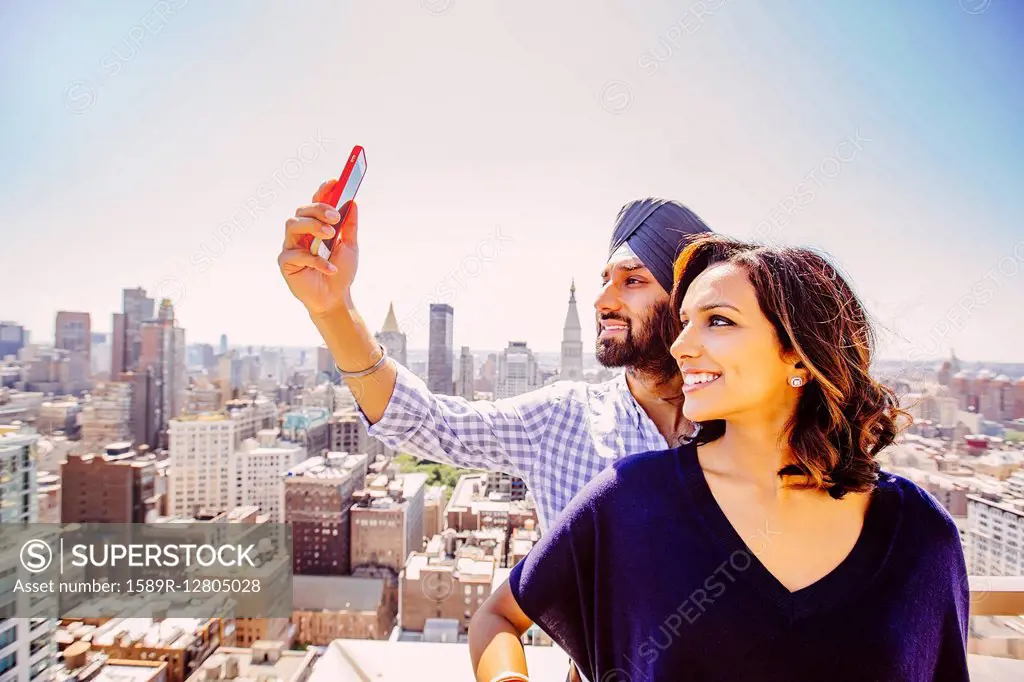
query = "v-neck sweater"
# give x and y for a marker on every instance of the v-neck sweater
(645, 578)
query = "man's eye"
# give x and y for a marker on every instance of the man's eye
(634, 280)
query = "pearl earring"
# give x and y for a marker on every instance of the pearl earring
(796, 382)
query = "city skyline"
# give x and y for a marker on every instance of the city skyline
(588, 350)
(157, 372)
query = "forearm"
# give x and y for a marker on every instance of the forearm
(353, 348)
(494, 646)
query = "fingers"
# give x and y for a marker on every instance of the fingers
(296, 228)
(325, 213)
(317, 220)
(295, 260)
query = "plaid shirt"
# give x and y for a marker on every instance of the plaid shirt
(556, 438)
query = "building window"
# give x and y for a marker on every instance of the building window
(8, 662)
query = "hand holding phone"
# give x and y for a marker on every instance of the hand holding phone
(343, 192)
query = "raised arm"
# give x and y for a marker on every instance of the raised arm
(324, 288)
(399, 410)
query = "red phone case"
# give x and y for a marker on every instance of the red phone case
(323, 247)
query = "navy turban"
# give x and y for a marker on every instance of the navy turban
(656, 230)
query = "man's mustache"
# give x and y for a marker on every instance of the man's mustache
(616, 318)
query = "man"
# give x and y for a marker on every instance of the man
(556, 438)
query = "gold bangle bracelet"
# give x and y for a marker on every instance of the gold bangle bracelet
(509, 676)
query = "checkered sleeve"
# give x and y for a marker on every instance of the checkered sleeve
(502, 435)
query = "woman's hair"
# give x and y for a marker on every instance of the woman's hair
(844, 416)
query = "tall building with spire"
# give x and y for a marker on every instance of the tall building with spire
(392, 338)
(126, 344)
(572, 343)
(163, 355)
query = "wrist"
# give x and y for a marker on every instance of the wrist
(510, 676)
(343, 309)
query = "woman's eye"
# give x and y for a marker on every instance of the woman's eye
(719, 321)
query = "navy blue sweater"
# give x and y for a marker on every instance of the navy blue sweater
(644, 578)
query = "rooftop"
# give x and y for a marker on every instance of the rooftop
(171, 633)
(435, 492)
(336, 593)
(1006, 504)
(305, 417)
(201, 417)
(334, 465)
(135, 613)
(469, 568)
(379, 489)
(129, 671)
(228, 663)
(469, 494)
(17, 434)
(356, 660)
(81, 663)
(243, 511)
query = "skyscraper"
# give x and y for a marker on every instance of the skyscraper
(392, 338)
(517, 371)
(18, 503)
(205, 357)
(163, 352)
(13, 338)
(29, 644)
(572, 342)
(439, 351)
(107, 417)
(73, 332)
(100, 352)
(466, 375)
(223, 344)
(136, 308)
(144, 397)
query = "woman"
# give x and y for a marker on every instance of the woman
(769, 548)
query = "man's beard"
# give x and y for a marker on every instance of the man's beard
(645, 348)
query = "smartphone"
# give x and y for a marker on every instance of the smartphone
(339, 197)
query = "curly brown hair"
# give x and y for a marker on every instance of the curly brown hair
(845, 417)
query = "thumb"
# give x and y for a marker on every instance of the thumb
(325, 189)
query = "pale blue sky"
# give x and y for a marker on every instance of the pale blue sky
(514, 131)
